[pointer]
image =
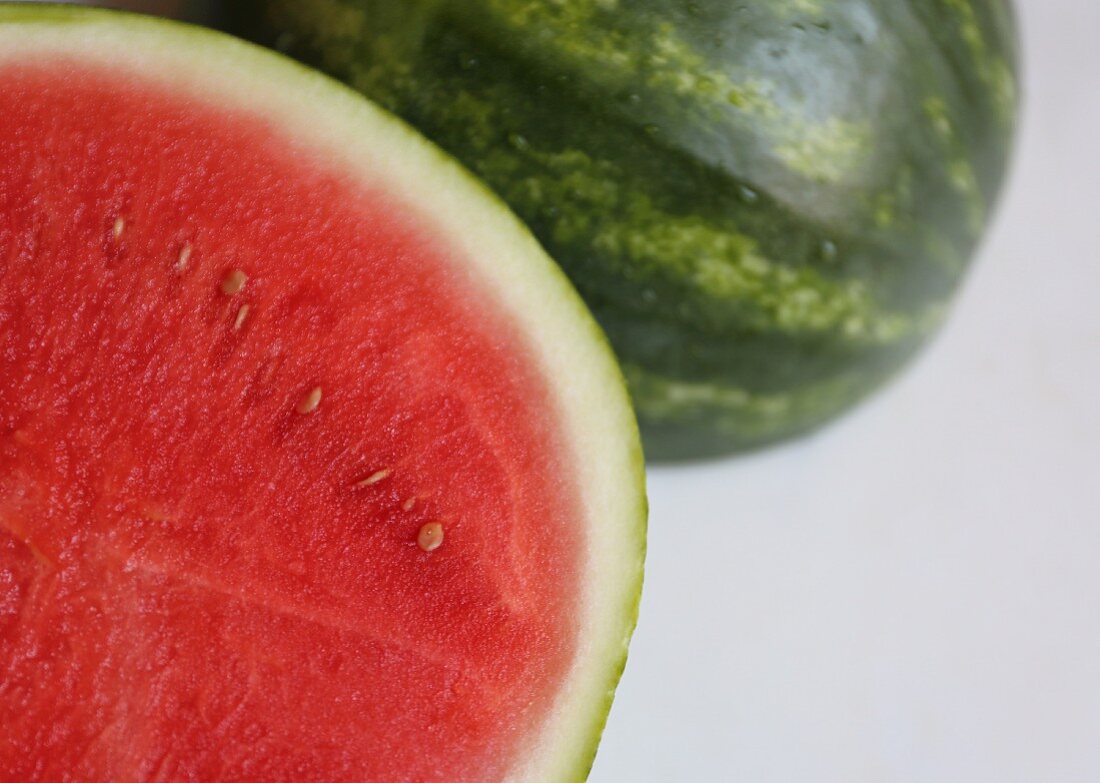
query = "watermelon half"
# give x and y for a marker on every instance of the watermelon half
(312, 465)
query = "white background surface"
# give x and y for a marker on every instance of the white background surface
(913, 595)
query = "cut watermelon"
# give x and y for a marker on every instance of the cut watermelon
(312, 466)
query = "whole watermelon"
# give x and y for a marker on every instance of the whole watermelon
(766, 203)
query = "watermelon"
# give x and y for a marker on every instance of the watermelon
(766, 203)
(313, 466)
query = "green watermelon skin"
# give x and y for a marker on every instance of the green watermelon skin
(767, 204)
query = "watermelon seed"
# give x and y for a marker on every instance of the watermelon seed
(242, 314)
(310, 402)
(184, 259)
(234, 282)
(408, 504)
(374, 478)
(430, 537)
(119, 227)
(271, 366)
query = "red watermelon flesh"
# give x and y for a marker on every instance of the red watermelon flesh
(209, 569)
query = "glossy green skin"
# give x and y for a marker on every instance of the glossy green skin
(767, 203)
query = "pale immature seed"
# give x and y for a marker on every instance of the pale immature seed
(374, 478)
(184, 258)
(271, 366)
(242, 315)
(119, 227)
(310, 402)
(430, 537)
(234, 282)
(408, 505)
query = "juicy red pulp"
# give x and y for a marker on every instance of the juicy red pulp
(193, 582)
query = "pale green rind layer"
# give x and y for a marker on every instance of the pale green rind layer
(770, 200)
(326, 119)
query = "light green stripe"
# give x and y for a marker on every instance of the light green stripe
(960, 169)
(597, 207)
(742, 413)
(992, 69)
(657, 57)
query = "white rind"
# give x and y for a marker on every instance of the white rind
(335, 123)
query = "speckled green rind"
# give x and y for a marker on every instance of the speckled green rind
(767, 204)
(568, 344)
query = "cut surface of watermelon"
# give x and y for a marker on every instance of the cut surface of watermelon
(312, 466)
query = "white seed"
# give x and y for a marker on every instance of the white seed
(184, 259)
(430, 537)
(242, 315)
(271, 366)
(234, 282)
(309, 403)
(119, 227)
(408, 505)
(374, 478)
